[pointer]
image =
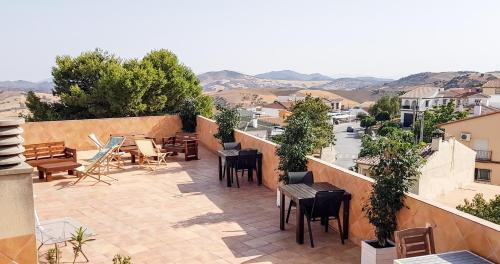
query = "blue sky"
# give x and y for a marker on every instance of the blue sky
(341, 38)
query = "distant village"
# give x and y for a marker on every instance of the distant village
(463, 161)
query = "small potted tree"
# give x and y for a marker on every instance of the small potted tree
(227, 118)
(398, 167)
(295, 144)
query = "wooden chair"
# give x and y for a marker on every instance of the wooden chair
(186, 143)
(151, 153)
(94, 168)
(414, 242)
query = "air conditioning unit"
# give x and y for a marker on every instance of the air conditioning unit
(465, 136)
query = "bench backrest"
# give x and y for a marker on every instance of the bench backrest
(180, 136)
(129, 138)
(44, 150)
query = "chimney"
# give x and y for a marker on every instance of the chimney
(435, 143)
(254, 123)
(437, 138)
(477, 109)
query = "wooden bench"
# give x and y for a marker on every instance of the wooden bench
(186, 143)
(51, 152)
(49, 168)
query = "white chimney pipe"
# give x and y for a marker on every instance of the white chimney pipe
(477, 110)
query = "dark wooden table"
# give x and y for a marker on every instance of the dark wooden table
(303, 194)
(231, 155)
(49, 168)
(457, 257)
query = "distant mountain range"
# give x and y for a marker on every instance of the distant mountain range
(287, 79)
(223, 80)
(293, 76)
(20, 85)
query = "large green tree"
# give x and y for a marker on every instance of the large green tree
(96, 84)
(435, 116)
(316, 111)
(296, 143)
(389, 104)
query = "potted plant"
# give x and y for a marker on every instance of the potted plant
(227, 118)
(394, 174)
(295, 144)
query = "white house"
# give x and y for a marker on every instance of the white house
(449, 165)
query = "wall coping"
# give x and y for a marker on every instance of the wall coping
(107, 118)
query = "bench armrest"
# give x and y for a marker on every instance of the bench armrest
(168, 140)
(70, 152)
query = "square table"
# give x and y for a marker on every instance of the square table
(46, 170)
(230, 155)
(304, 193)
(455, 257)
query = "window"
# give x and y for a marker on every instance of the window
(426, 103)
(445, 101)
(497, 90)
(482, 175)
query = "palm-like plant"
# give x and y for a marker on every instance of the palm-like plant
(78, 240)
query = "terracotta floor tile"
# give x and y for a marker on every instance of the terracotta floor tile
(181, 213)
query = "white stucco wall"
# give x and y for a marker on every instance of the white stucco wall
(447, 169)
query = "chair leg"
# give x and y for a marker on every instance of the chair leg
(237, 181)
(326, 224)
(340, 230)
(310, 230)
(288, 214)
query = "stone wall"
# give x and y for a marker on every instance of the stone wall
(453, 230)
(75, 132)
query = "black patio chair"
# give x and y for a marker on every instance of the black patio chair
(295, 177)
(246, 160)
(232, 145)
(229, 146)
(326, 205)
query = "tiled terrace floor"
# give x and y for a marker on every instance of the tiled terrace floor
(183, 214)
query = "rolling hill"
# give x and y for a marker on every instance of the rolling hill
(293, 76)
(21, 85)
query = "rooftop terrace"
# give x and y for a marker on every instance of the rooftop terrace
(181, 213)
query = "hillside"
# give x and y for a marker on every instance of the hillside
(353, 83)
(458, 79)
(226, 80)
(293, 76)
(21, 85)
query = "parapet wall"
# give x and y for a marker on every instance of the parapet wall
(453, 230)
(75, 132)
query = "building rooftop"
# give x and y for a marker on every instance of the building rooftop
(421, 92)
(182, 214)
(374, 160)
(492, 84)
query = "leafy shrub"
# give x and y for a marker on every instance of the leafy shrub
(383, 116)
(296, 143)
(227, 119)
(399, 166)
(487, 210)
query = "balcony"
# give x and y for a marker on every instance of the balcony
(483, 155)
(183, 213)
